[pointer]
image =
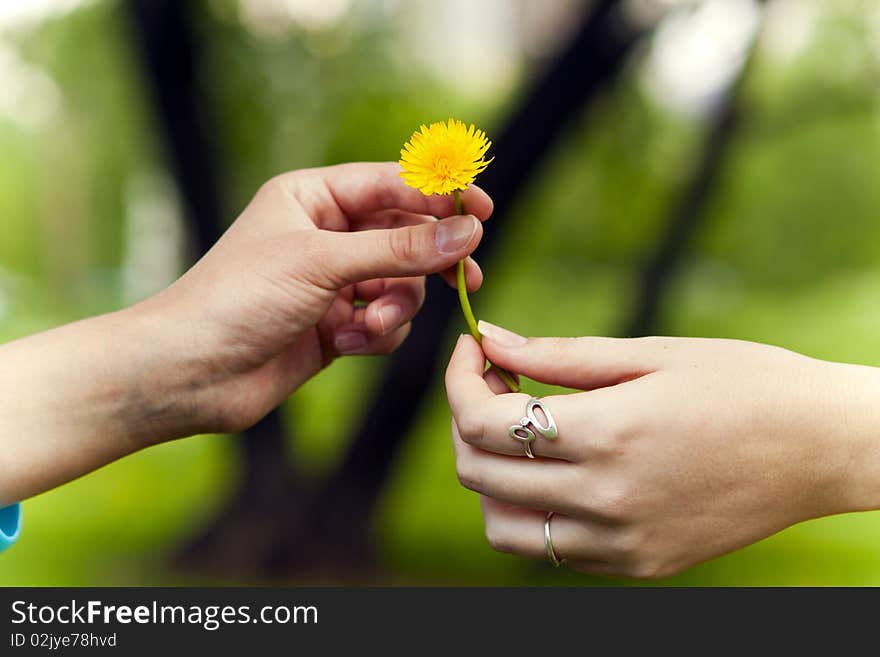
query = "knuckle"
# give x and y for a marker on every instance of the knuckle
(611, 426)
(284, 187)
(403, 244)
(272, 186)
(471, 427)
(468, 475)
(629, 544)
(605, 445)
(498, 540)
(616, 503)
(642, 556)
(615, 434)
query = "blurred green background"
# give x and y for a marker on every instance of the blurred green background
(787, 253)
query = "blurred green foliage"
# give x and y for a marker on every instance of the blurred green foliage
(786, 255)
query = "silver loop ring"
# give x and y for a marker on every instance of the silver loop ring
(548, 543)
(521, 432)
(525, 431)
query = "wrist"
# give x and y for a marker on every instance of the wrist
(855, 431)
(82, 395)
(167, 383)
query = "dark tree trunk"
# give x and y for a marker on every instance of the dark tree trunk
(168, 52)
(688, 214)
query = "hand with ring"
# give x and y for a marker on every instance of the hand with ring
(671, 451)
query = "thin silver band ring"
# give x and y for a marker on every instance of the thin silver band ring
(548, 543)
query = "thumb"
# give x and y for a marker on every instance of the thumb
(582, 363)
(347, 258)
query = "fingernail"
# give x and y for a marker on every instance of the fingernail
(452, 234)
(389, 317)
(349, 341)
(501, 336)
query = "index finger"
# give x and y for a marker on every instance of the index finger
(484, 418)
(359, 188)
(465, 385)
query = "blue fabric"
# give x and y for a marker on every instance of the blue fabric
(10, 525)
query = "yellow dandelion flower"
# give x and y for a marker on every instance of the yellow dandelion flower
(444, 157)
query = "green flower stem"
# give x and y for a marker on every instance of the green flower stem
(465, 302)
(468, 313)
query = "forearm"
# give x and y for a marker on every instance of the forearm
(82, 395)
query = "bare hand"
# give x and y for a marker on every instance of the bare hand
(275, 300)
